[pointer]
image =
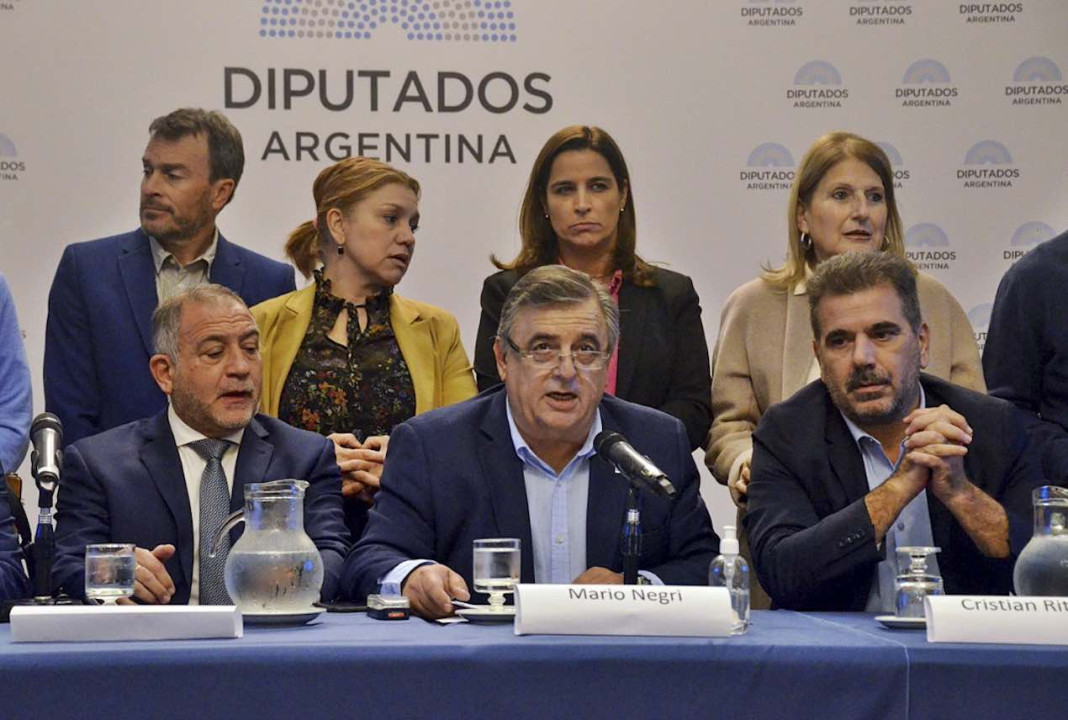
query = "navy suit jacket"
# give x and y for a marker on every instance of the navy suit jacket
(812, 539)
(13, 581)
(452, 475)
(663, 354)
(98, 337)
(127, 485)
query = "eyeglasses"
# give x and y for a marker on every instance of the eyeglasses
(545, 357)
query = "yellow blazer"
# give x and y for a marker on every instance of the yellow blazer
(428, 337)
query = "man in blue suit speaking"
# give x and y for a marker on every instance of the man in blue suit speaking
(166, 483)
(99, 332)
(519, 462)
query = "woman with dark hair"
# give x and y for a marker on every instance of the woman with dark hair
(578, 210)
(346, 356)
(842, 200)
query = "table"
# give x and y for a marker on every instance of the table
(791, 665)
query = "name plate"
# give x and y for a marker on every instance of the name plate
(83, 623)
(997, 619)
(622, 610)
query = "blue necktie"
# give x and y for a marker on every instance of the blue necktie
(214, 508)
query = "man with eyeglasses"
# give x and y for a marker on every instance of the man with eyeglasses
(519, 462)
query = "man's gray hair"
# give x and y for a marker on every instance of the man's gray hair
(167, 318)
(558, 285)
(854, 272)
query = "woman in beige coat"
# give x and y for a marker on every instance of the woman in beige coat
(842, 200)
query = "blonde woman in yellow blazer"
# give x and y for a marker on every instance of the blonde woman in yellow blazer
(429, 338)
(345, 356)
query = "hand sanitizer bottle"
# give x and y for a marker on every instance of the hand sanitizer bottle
(730, 570)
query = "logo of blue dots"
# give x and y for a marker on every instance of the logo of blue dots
(926, 71)
(926, 235)
(466, 21)
(979, 316)
(817, 72)
(770, 155)
(988, 152)
(1037, 69)
(1032, 233)
(7, 148)
(891, 154)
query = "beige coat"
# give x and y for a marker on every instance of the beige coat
(764, 353)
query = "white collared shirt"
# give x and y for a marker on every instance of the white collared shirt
(172, 278)
(193, 469)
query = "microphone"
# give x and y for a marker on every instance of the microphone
(614, 448)
(47, 434)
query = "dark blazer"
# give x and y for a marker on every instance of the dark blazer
(663, 354)
(98, 337)
(812, 538)
(13, 581)
(453, 476)
(127, 485)
(1025, 358)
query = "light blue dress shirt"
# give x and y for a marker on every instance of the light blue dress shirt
(16, 397)
(911, 527)
(556, 504)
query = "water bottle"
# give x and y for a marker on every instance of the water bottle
(730, 570)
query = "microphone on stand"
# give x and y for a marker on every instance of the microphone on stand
(46, 464)
(614, 448)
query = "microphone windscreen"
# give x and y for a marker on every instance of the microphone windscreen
(46, 421)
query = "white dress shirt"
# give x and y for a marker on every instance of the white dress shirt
(193, 468)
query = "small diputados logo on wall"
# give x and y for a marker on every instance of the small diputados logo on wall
(1026, 237)
(990, 13)
(898, 168)
(1037, 81)
(772, 13)
(927, 247)
(926, 84)
(10, 165)
(770, 166)
(9, 5)
(880, 13)
(988, 164)
(817, 84)
(368, 100)
(979, 317)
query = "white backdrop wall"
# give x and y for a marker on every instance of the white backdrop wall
(712, 101)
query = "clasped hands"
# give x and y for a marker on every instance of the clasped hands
(361, 464)
(936, 441)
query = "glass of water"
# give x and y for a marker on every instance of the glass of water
(109, 571)
(916, 579)
(496, 568)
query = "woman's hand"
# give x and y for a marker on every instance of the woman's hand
(361, 464)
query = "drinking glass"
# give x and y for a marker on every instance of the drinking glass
(109, 571)
(915, 580)
(496, 568)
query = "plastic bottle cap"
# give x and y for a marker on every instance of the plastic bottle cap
(729, 544)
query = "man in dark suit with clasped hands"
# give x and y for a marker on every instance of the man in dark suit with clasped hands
(98, 337)
(166, 483)
(876, 455)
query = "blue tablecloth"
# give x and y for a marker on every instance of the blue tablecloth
(790, 665)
